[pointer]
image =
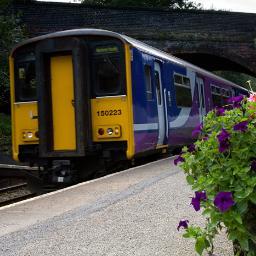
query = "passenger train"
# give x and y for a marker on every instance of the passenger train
(86, 97)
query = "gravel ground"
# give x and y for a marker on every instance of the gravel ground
(139, 220)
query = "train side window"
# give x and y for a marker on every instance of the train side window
(202, 95)
(158, 88)
(147, 73)
(216, 96)
(25, 78)
(183, 91)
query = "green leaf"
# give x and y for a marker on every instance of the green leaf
(253, 198)
(242, 207)
(200, 245)
(244, 193)
(188, 235)
(244, 244)
(190, 180)
(238, 219)
(207, 211)
(232, 235)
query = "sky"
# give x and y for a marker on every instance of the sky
(229, 5)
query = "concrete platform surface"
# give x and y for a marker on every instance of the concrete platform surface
(134, 212)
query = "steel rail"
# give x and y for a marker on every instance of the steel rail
(16, 199)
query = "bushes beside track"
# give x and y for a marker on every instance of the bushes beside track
(5, 133)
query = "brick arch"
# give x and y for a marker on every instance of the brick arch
(227, 35)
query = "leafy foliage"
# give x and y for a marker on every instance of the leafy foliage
(238, 78)
(169, 4)
(5, 133)
(230, 172)
(11, 32)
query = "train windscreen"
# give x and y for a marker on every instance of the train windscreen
(108, 69)
(25, 77)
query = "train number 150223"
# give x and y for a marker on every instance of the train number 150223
(114, 112)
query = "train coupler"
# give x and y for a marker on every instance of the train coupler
(61, 172)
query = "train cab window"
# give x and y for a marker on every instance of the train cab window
(25, 78)
(107, 70)
(183, 91)
(148, 82)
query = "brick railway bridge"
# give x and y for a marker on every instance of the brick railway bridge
(210, 39)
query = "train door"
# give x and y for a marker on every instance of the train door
(63, 97)
(201, 97)
(160, 104)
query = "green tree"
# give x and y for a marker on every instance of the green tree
(11, 32)
(168, 4)
(247, 81)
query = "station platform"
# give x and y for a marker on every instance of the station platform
(134, 212)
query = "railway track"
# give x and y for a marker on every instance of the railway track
(13, 185)
(14, 193)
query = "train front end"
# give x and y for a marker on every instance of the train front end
(71, 103)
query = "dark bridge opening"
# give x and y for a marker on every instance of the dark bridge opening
(221, 66)
(213, 62)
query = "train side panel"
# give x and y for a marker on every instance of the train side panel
(144, 103)
(187, 97)
(185, 114)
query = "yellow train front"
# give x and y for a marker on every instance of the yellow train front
(72, 103)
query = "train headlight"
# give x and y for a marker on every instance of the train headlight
(117, 130)
(29, 135)
(109, 131)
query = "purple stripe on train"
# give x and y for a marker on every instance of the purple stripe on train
(145, 140)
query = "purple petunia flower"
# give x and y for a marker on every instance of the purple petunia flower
(242, 126)
(224, 146)
(220, 111)
(223, 135)
(201, 195)
(253, 165)
(183, 224)
(192, 148)
(224, 201)
(223, 138)
(205, 138)
(197, 130)
(236, 101)
(179, 159)
(196, 203)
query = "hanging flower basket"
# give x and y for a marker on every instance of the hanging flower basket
(221, 168)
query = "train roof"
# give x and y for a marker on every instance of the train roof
(135, 43)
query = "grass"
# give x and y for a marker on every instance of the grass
(5, 133)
